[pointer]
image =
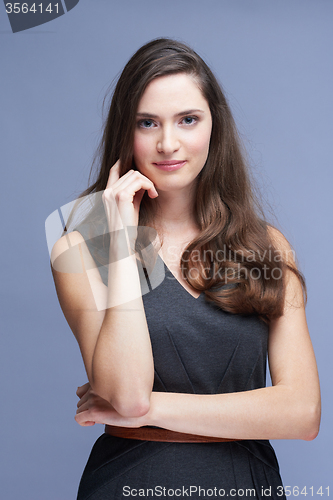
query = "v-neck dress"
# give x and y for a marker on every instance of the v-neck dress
(198, 349)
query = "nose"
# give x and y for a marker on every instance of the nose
(168, 141)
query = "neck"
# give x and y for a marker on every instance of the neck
(175, 212)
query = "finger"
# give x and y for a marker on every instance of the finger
(132, 185)
(137, 198)
(152, 193)
(82, 390)
(86, 397)
(131, 176)
(81, 421)
(83, 407)
(114, 173)
(83, 400)
(116, 186)
(114, 178)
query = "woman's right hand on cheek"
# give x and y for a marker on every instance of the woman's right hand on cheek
(123, 195)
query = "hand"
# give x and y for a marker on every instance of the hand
(123, 195)
(92, 409)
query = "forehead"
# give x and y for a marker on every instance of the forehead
(172, 93)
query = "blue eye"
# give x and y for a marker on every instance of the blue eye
(146, 123)
(189, 120)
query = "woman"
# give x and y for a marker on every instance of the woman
(178, 374)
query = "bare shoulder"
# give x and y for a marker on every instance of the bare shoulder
(295, 291)
(65, 242)
(70, 254)
(282, 245)
(72, 238)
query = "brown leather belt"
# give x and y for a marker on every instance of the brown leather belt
(148, 433)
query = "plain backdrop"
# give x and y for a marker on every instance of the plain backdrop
(274, 59)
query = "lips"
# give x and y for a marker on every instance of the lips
(169, 165)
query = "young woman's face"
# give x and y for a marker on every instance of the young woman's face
(172, 134)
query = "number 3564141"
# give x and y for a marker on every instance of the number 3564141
(18, 8)
(297, 491)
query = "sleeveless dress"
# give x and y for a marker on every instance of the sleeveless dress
(200, 349)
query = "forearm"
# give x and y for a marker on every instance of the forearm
(267, 413)
(122, 365)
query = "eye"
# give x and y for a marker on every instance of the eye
(189, 120)
(146, 123)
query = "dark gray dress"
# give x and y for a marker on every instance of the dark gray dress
(198, 349)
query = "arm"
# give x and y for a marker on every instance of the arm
(290, 409)
(114, 342)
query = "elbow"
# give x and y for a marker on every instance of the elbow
(130, 402)
(134, 407)
(133, 401)
(312, 423)
(312, 431)
(130, 406)
(126, 403)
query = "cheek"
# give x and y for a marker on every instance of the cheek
(199, 146)
(141, 149)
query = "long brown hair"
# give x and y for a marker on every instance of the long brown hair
(234, 247)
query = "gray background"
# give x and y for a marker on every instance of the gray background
(274, 59)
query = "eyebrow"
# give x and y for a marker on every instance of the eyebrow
(186, 112)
